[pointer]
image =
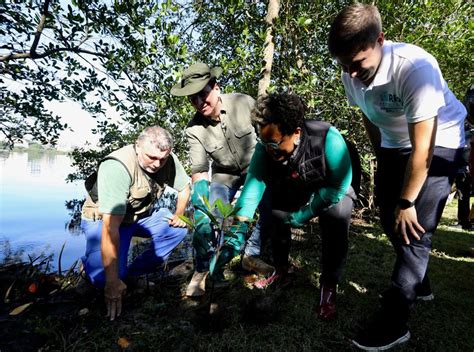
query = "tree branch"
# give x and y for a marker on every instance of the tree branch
(30, 55)
(40, 27)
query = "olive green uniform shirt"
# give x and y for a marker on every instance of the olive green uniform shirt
(229, 143)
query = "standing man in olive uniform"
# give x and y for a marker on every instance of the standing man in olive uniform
(221, 132)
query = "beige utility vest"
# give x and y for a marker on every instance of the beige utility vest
(144, 190)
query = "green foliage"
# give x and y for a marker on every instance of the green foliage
(127, 55)
(219, 213)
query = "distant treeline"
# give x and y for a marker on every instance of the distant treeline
(32, 146)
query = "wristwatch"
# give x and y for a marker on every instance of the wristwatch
(405, 203)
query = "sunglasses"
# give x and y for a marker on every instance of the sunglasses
(271, 145)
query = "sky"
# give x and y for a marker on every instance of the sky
(80, 122)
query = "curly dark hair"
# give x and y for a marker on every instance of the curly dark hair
(286, 110)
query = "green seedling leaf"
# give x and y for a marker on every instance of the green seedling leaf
(220, 206)
(210, 215)
(234, 211)
(225, 209)
(228, 209)
(187, 221)
(207, 204)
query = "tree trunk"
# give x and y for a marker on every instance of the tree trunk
(269, 47)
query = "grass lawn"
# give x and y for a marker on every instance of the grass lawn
(160, 318)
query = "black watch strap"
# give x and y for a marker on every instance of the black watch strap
(405, 203)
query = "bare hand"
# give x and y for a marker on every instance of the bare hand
(406, 224)
(113, 292)
(175, 221)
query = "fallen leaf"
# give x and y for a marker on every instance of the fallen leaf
(123, 342)
(20, 309)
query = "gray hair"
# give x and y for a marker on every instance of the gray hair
(157, 137)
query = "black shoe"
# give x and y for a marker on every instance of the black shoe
(380, 337)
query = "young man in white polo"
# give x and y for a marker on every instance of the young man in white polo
(416, 127)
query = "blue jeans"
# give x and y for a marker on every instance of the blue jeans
(412, 260)
(164, 239)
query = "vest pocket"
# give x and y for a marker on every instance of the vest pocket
(139, 198)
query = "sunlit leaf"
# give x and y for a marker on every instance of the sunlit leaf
(220, 206)
(207, 204)
(187, 221)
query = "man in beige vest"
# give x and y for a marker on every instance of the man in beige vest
(121, 204)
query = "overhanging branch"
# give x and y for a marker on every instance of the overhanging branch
(30, 55)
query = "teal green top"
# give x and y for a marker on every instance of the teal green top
(114, 181)
(338, 175)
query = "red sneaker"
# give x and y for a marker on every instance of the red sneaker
(326, 309)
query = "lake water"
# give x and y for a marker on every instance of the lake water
(33, 213)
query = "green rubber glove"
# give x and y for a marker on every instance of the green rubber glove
(234, 241)
(202, 236)
(235, 238)
(200, 191)
(299, 218)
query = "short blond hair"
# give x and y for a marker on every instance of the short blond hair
(355, 28)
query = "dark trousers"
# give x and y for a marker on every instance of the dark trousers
(334, 224)
(412, 260)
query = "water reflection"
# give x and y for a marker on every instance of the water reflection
(34, 214)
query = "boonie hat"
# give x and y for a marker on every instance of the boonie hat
(195, 78)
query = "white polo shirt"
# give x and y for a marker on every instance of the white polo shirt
(408, 88)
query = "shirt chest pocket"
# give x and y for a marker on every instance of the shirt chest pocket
(216, 151)
(213, 147)
(245, 139)
(241, 133)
